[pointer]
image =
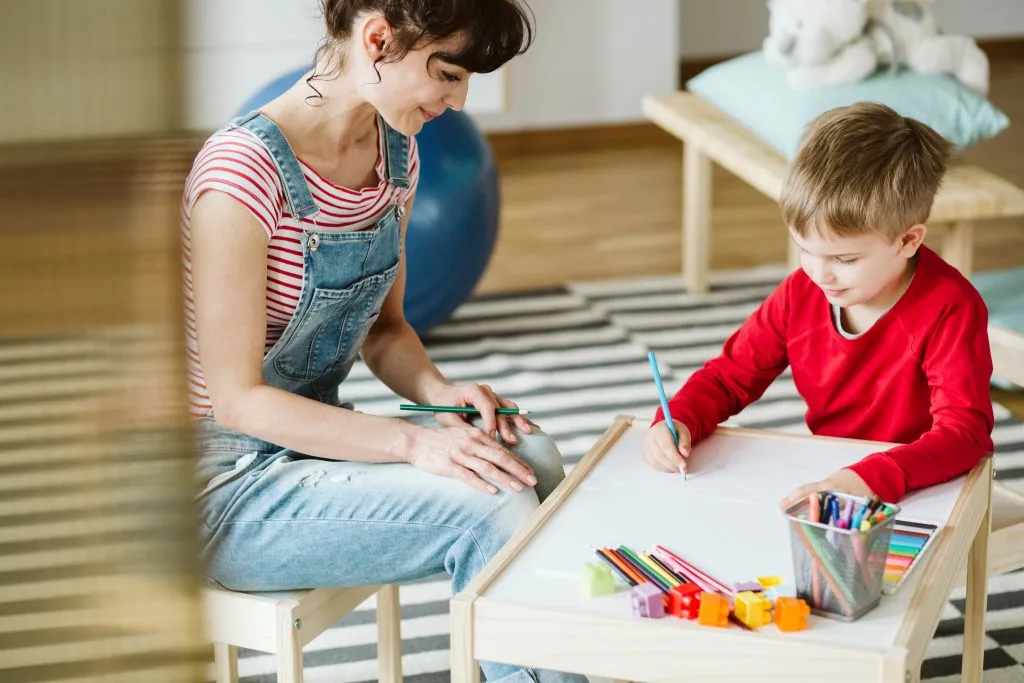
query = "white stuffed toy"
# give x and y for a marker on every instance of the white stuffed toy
(827, 42)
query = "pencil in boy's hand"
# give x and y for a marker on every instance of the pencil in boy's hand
(664, 400)
(467, 410)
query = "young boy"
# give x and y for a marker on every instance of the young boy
(886, 340)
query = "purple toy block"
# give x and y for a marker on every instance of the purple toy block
(647, 601)
(752, 586)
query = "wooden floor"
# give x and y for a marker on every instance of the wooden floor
(610, 209)
(616, 212)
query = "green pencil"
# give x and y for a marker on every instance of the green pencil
(468, 410)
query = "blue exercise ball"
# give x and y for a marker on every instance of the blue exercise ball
(454, 222)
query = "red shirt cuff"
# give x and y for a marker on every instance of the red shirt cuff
(883, 476)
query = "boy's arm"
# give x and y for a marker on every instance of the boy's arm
(751, 359)
(958, 364)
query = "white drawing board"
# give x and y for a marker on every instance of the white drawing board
(724, 519)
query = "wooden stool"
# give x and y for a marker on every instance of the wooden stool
(283, 623)
(1006, 547)
(967, 194)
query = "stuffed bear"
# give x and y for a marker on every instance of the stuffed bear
(827, 42)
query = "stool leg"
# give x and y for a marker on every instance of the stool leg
(289, 649)
(696, 217)
(958, 246)
(389, 635)
(225, 663)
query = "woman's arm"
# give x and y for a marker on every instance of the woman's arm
(393, 351)
(229, 251)
(229, 279)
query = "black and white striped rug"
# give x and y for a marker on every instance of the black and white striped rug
(577, 357)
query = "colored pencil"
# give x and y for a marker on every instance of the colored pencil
(467, 410)
(663, 399)
(616, 567)
(692, 570)
(653, 578)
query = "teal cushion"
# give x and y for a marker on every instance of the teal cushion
(756, 95)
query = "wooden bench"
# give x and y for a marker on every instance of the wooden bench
(968, 193)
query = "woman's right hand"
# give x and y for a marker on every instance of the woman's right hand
(467, 453)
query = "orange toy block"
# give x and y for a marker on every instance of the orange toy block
(753, 609)
(714, 610)
(684, 601)
(791, 614)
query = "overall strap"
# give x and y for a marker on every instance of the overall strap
(295, 188)
(396, 155)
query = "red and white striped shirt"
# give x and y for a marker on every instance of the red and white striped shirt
(237, 163)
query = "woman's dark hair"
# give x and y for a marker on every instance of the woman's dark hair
(495, 30)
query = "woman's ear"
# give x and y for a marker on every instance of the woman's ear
(375, 36)
(912, 239)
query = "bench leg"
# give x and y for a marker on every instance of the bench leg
(977, 595)
(696, 217)
(389, 635)
(289, 648)
(225, 663)
(958, 246)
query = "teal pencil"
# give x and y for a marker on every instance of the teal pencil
(467, 410)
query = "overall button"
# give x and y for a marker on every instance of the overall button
(400, 211)
(313, 242)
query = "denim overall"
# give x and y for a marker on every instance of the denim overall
(273, 519)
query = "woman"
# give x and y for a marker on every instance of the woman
(293, 221)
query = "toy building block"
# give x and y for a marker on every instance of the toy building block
(647, 601)
(597, 579)
(769, 581)
(684, 601)
(751, 586)
(753, 609)
(714, 610)
(791, 614)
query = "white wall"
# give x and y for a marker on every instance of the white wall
(235, 47)
(592, 61)
(727, 27)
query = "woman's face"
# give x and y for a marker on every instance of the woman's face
(415, 89)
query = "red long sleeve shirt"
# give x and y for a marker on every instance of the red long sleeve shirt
(918, 377)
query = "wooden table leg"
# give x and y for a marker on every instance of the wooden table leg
(696, 217)
(958, 246)
(464, 665)
(976, 602)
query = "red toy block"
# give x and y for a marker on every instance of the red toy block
(684, 600)
(791, 614)
(714, 610)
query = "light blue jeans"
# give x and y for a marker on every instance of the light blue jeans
(277, 521)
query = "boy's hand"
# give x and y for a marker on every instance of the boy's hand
(660, 451)
(843, 481)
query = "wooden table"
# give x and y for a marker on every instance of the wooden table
(526, 607)
(968, 193)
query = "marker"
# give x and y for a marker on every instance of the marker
(664, 401)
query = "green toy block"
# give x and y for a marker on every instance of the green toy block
(596, 580)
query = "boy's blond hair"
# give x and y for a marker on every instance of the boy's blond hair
(864, 168)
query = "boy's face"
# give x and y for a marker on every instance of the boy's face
(858, 270)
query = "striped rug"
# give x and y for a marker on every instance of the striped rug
(577, 356)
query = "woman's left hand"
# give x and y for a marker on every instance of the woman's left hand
(843, 481)
(483, 398)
